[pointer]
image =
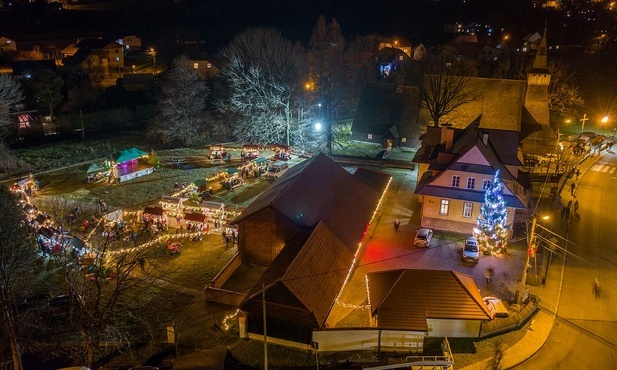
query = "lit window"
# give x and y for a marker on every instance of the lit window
(486, 184)
(403, 140)
(471, 182)
(455, 181)
(370, 136)
(445, 207)
(467, 209)
(196, 65)
(400, 57)
(209, 65)
(524, 49)
(117, 59)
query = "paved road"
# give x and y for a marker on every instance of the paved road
(585, 331)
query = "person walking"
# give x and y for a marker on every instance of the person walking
(596, 288)
(488, 274)
(397, 223)
(572, 187)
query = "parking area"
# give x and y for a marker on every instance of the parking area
(387, 248)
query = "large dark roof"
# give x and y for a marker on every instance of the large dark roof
(313, 267)
(321, 190)
(24, 67)
(404, 299)
(381, 107)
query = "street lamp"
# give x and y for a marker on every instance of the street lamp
(604, 120)
(530, 251)
(318, 126)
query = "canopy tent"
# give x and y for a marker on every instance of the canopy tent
(115, 216)
(231, 171)
(129, 155)
(96, 168)
(259, 160)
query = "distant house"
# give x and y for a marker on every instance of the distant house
(130, 43)
(96, 52)
(400, 43)
(491, 53)
(205, 68)
(438, 303)
(7, 44)
(457, 166)
(387, 115)
(305, 229)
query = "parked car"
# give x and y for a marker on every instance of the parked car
(277, 170)
(34, 301)
(423, 238)
(496, 307)
(471, 251)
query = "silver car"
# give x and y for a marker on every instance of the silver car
(423, 238)
(471, 251)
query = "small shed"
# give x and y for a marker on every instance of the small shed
(251, 151)
(172, 203)
(213, 206)
(199, 218)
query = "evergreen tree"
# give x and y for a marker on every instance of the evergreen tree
(491, 230)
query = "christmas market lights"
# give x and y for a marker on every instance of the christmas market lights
(491, 231)
(355, 257)
(227, 319)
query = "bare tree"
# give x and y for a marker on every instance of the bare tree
(182, 102)
(263, 72)
(563, 95)
(16, 260)
(444, 85)
(100, 285)
(46, 86)
(10, 95)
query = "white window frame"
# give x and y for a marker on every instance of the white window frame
(471, 181)
(444, 207)
(370, 136)
(486, 183)
(196, 65)
(467, 209)
(456, 181)
(403, 140)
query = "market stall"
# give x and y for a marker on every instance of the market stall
(282, 152)
(98, 173)
(233, 179)
(217, 152)
(250, 151)
(154, 219)
(174, 204)
(195, 221)
(27, 185)
(127, 164)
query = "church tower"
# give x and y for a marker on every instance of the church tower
(536, 102)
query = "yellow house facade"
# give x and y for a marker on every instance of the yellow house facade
(457, 166)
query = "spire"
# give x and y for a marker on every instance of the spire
(540, 61)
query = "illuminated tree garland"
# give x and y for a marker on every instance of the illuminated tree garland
(491, 231)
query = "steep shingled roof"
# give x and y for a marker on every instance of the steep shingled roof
(404, 299)
(320, 190)
(312, 267)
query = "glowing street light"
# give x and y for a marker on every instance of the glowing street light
(318, 126)
(604, 120)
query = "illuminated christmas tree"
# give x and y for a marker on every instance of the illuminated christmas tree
(491, 231)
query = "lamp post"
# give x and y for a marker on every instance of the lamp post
(604, 120)
(153, 60)
(530, 247)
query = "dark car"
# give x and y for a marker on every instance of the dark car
(34, 301)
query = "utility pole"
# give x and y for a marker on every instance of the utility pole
(81, 118)
(532, 236)
(263, 302)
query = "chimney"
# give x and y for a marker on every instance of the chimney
(447, 136)
(485, 138)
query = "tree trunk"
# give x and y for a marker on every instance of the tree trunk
(51, 113)
(91, 354)
(10, 332)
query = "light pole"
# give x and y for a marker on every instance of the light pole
(604, 120)
(153, 60)
(530, 247)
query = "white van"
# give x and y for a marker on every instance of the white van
(277, 170)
